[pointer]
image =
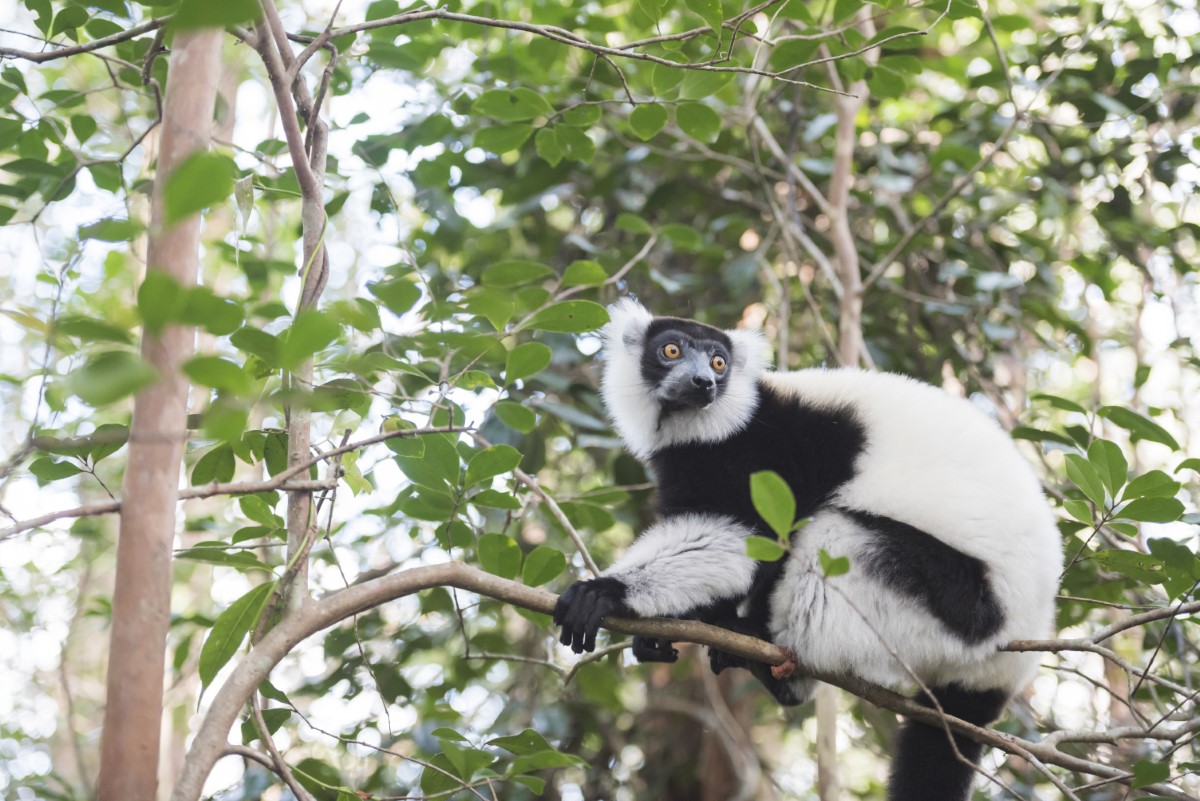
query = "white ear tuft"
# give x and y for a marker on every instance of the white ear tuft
(751, 354)
(627, 323)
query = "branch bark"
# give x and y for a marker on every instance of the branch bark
(209, 744)
(142, 598)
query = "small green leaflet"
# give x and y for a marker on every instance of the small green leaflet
(647, 120)
(512, 105)
(492, 462)
(543, 564)
(1110, 463)
(230, 628)
(1085, 476)
(499, 555)
(1139, 426)
(764, 549)
(570, 317)
(526, 360)
(698, 121)
(202, 180)
(833, 566)
(1147, 772)
(773, 501)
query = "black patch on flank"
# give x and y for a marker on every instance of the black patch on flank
(813, 447)
(953, 586)
(925, 767)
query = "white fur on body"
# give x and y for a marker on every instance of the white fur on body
(931, 460)
(685, 562)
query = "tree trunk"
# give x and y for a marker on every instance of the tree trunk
(141, 600)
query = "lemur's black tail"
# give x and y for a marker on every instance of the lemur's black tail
(925, 767)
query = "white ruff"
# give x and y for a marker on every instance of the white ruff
(631, 403)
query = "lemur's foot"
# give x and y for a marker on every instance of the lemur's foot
(719, 660)
(652, 649)
(788, 668)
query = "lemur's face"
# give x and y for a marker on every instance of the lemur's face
(687, 364)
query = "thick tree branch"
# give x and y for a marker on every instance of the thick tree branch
(209, 743)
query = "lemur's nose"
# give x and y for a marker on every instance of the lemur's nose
(702, 381)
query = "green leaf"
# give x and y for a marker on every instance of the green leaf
(216, 465)
(549, 149)
(396, 294)
(575, 144)
(213, 371)
(1079, 510)
(526, 360)
(258, 342)
(160, 300)
(583, 116)
(1110, 463)
(1154, 484)
(494, 499)
(499, 555)
(512, 105)
(633, 224)
(1059, 403)
(833, 566)
(543, 564)
(514, 272)
(1189, 464)
(556, 759)
(274, 718)
(1135, 565)
(214, 13)
(1139, 426)
(230, 628)
(502, 139)
(47, 470)
(584, 273)
(698, 121)
(310, 332)
(570, 317)
(1147, 772)
(764, 549)
(516, 416)
(1181, 563)
(107, 439)
(773, 500)
(275, 454)
(108, 377)
(1080, 471)
(467, 761)
(202, 180)
(1152, 510)
(709, 11)
(110, 230)
(523, 744)
(492, 462)
(216, 315)
(647, 120)
(437, 779)
(492, 304)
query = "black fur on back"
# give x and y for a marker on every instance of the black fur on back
(812, 447)
(953, 586)
(925, 767)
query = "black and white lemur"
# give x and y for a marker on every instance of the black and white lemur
(953, 549)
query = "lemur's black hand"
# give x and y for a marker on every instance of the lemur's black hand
(652, 649)
(581, 608)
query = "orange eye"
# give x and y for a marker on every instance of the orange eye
(718, 363)
(671, 351)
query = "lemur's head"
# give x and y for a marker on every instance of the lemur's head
(669, 381)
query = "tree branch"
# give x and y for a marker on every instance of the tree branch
(281, 481)
(210, 740)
